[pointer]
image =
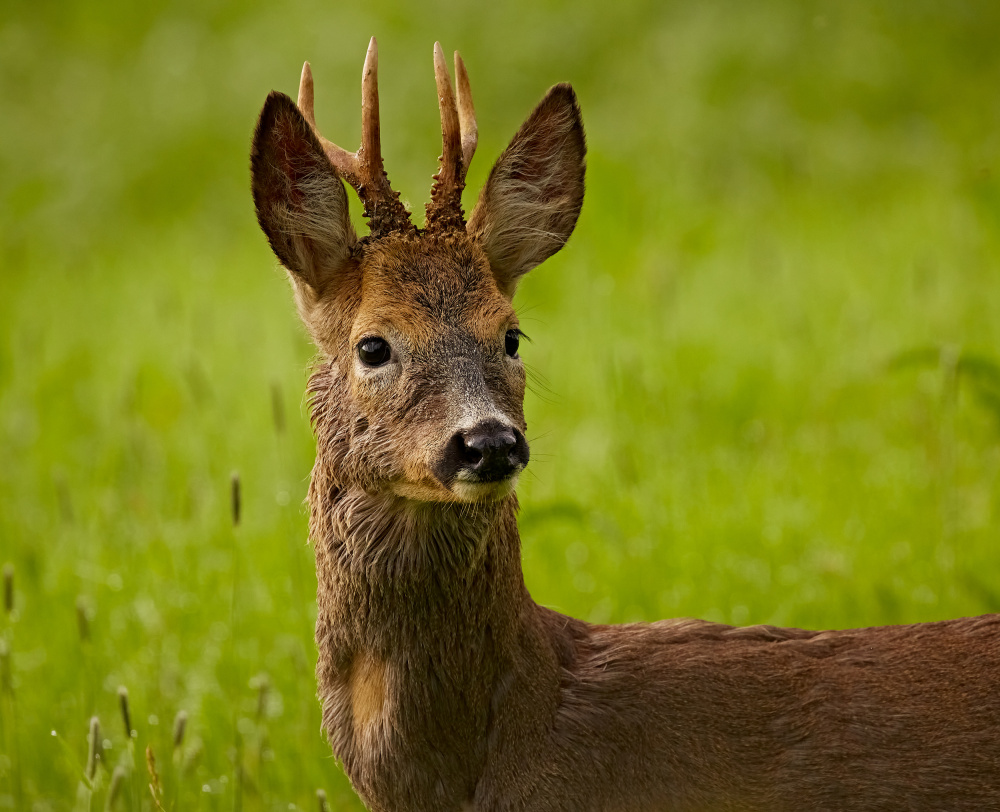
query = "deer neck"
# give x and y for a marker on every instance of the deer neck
(428, 555)
(437, 584)
(422, 616)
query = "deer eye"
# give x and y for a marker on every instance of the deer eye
(511, 342)
(374, 351)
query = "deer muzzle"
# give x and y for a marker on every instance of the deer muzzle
(489, 452)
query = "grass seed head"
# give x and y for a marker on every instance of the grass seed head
(155, 787)
(93, 747)
(126, 716)
(321, 801)
(180, 724)
(236, 498)
(8, 588)
(82, 619)
(263, 684)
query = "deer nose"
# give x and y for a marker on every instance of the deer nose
(488, 452)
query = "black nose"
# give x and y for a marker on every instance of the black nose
(488, 452)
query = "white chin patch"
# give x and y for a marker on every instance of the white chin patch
(484, 491)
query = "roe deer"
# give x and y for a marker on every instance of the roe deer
(444, 687)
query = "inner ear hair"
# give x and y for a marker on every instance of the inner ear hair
(300, 200)
(532, 198)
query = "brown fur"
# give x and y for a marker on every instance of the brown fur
(367, 687)
(443, 685)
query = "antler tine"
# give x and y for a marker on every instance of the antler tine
(466, 114)
(451, 136)
(444, 212)
(363, 169)
(306, 95)
(345, 162)
(370, 153)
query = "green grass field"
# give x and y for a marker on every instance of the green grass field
(766, 368)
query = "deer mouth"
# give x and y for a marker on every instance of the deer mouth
(484, 491)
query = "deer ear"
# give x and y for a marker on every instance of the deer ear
(300, 200)
(532, 199)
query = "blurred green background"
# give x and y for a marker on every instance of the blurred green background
(764, 370)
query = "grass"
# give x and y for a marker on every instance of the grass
(765, 383)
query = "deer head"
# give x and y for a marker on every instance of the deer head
(423, 386)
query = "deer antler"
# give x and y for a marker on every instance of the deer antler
(459, 137)
(363, 169)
